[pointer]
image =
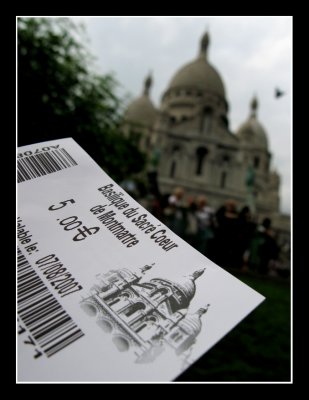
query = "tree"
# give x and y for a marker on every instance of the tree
(59, 96)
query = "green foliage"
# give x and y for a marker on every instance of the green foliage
(59, 96)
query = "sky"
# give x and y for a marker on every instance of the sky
(253, 56)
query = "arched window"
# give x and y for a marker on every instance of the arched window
(173, 169)
(207, 120)
(140, 328)
(256, 162)
(115, 301)
(175, 153)
(225, 159)
(158, 293)
(201, 153)
(133, 308)
(176, 336)
(223, 180)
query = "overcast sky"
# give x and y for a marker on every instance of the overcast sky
(252, 54)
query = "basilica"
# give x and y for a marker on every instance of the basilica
(195, 147)
(146, 317)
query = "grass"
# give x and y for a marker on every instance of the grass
(258, 349)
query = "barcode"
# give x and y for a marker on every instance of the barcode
(50, 325)
(45, 163)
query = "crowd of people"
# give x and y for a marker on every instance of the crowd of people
(228, 236)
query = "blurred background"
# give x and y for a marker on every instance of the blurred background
(192, 117)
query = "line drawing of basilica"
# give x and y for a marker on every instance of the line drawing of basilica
(146, 317)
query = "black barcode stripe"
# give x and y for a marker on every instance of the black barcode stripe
(56, 160)
(47, 321)
(27, 304)
(38, 165)
(69, 156)
(32, 293)
(57, 347)
(19, 176)
(55, 335)
(28, 286)
(61, 159)
(49, 164)
(58, 319)
(38, 313)
(45, 163)
(25, 172)
(41, 300)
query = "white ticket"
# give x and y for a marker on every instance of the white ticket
(105, 291)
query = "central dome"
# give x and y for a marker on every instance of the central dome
(199, 74)
(186, 286)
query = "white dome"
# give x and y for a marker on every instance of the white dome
(251, 131)
(199, 74)
(141, 110)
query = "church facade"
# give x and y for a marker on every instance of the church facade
(146, 317)
(197, 149)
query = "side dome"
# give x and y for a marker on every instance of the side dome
(192, 323)
(199, 74)
(141, 110)
(251, 132)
